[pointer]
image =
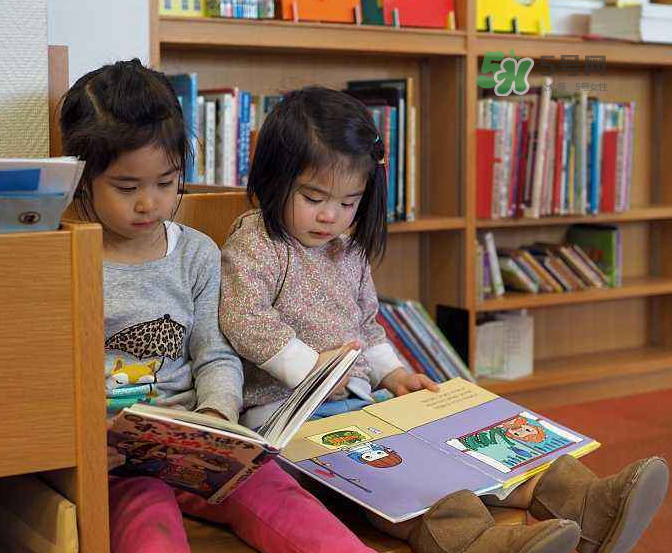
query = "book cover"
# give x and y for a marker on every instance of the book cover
(439, 14)
(333, 11)
(398, 457)
(600, 243)
(209, 456)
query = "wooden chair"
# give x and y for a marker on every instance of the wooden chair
(213, 214)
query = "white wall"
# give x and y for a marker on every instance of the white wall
(24, 112)
(97, 32)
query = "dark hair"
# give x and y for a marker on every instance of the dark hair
(116, 109)
(317, 128)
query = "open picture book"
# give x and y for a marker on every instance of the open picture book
(398, 457)
(210, 456)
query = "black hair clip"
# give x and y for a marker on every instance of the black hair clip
(376, 142)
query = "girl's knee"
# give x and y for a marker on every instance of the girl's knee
(146, 489)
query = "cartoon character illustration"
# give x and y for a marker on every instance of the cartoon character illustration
(343, 438)
(514, 442)
(124, 374)
(520, 428)
(538, 434)
(374, 455)
(155, 340)
(190, 470)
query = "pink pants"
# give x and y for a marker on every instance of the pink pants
(270, 511)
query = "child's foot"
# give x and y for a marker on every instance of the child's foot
(612, 512)
(460, 523)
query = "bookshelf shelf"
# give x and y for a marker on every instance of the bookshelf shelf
(222, 33)
(632, 288)
(428, 224)
(584, 368)
(616, 52)
(651, 213)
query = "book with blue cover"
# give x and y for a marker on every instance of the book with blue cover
(186, 90)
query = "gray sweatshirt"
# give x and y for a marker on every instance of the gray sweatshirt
(162, 339)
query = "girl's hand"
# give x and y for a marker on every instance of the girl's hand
(401, 382)
(340, 387)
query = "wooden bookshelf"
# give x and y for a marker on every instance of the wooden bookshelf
(632, 288)
(625, 332)
(260, 34)
(650, 213)
(618, 52)
(589, 376)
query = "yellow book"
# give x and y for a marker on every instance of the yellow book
(532, 16)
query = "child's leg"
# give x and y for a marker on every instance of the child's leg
(274, 514)
(519, 498)
(145, 517)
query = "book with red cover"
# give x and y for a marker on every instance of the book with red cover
(419, 13)
(485, 160)
(609, 161)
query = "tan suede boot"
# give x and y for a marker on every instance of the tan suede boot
(460, 523)
(612, 512)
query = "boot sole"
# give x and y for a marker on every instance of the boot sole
(561, 539)
(643, 500)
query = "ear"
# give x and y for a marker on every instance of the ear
(118, 363)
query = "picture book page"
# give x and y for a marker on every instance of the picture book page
(379, 466)
(207, 463)
(413, 410)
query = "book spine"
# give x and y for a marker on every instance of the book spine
(540, 154)
(395, 323)
(495, 273)
(210, 140)
(398, 343)
(426, 341)
(444, 343)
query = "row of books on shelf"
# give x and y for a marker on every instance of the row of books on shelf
(399, 13)
(552, 152)
(505, 345)
(419, 342)
(223, 124)
(591, 257)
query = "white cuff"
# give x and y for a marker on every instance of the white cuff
(382, 361)
(292, 363)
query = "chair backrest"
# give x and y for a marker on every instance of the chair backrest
(212, 213)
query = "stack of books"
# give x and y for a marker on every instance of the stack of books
(223, 124)
(392, 104)
(418, 341)
(553, 152)
(591, 257)
(642, 23)
(572, 17)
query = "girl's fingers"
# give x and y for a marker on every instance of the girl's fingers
(429, 383)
